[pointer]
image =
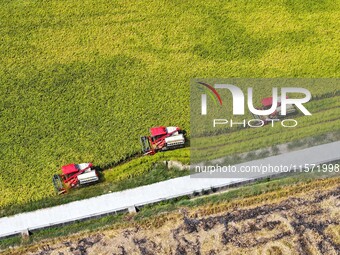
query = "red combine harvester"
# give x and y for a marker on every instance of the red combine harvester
(162, 139)
(74, 175)
(267, 104)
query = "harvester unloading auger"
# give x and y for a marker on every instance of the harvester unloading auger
(162, 139)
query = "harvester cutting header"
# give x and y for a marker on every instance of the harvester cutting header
(162, 139)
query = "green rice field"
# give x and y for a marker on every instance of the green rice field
(80, 81)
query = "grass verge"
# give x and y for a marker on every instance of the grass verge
(156, 174)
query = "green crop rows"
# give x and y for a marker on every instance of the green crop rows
(80, 81)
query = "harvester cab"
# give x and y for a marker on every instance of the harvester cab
(162, 139)
(74, 175)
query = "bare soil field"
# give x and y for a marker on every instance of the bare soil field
(302, 219)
